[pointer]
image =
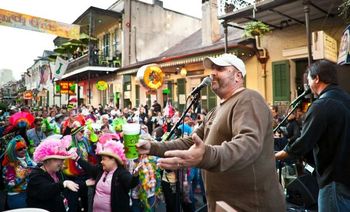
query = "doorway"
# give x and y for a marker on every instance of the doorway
(300, 79)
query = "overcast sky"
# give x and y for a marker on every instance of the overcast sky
(20, 47)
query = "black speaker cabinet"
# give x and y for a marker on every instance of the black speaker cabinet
(303, 191)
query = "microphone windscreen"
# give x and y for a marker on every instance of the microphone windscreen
(207, 81)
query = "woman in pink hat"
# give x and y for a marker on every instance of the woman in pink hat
(48, 186)
(113, 181)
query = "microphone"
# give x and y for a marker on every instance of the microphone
(306, 92)
(206, 81)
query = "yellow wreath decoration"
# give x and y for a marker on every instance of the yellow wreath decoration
(151, 76)
(101, 85)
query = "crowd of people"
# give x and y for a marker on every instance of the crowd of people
(78, 159)
(34, 174)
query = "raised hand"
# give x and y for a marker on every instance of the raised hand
(71, 185)
(184, 158)
(144, 144)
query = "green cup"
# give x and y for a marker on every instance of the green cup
(131, 135)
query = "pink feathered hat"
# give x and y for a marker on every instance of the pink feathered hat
(51, 148)
(108, 146)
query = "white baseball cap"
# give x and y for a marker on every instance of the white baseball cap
(225, 60)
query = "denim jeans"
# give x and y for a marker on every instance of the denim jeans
(137, 205)
(17, 200)
(334, 197)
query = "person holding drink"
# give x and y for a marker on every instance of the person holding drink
(113, 181)
(131, 135)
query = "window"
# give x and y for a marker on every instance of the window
(111, 93)
(137, 99)
(106, 44)
(115, 43)
(181, 93)
(103, 97)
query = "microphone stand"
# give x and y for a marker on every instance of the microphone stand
(179, 174)
(194, 101)
(280, 163)
(285, 118)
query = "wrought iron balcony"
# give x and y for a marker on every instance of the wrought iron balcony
(94, 60)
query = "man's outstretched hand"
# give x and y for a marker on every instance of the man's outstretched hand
(176, 159)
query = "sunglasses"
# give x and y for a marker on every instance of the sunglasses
(21, 149)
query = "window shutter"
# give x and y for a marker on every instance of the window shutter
(281, 81)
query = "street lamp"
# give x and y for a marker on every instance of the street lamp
(183, 72)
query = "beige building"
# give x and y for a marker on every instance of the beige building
(130, 34)
(275, 65)
(182, 64)
(280, 76)
(127, 32)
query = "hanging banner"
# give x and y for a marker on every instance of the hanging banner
(344, 50)
(45, 71)
(28, 22)
(60, 68)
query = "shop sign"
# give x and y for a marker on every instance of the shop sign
(27, 95)
(66, 87)
(324, 47)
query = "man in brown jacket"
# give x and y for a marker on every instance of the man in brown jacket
(234, 145)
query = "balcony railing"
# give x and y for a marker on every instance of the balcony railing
(229, 6)
(78, 62)
(94, 60)
(107, 61)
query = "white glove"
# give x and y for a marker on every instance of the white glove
(90, 182)
(71, 185)
(73, 153)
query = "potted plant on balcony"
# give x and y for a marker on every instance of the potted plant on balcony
(255, 28)
(344, 9)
